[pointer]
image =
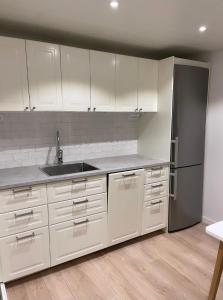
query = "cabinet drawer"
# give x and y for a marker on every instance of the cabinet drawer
(76, 188)
(154, 215)
(79, 207)
(76, 238)
(24, 253)
(156, 190)
(155, 174)
(23, 220)
(24, 197)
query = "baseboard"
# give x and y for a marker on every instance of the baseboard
(207, 220)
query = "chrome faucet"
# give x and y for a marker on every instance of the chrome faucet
(59, 151)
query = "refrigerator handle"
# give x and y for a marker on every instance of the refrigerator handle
(174, 178)
(175, 142)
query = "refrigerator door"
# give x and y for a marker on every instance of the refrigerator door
(189, 115)
(185, 205)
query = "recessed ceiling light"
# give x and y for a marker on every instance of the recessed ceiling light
(114, 4)
(202, 28)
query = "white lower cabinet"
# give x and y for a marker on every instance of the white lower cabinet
(156, 190)
(43, 226)
(75, 208)
(76, 188)
(22, 197)
(154, 215)
(125, 198)
(23, 220)
(24, 253)
(72, 239)
(156, 174)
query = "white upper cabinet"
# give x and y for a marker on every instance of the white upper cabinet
(14, 94)
(148, 85)
(126, 83)
(75, 68)
(102, 81)
(44, 76)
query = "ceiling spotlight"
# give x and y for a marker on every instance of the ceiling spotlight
(114, 4)
(202, 28)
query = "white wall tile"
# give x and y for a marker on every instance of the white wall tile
(29, 138)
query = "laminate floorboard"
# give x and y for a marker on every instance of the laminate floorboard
(160, 266)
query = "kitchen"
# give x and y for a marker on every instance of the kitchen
(105, 153)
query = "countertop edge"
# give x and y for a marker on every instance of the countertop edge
(81, 175)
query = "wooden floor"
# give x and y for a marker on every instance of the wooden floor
(163, 266)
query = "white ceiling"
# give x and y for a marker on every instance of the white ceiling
(153, 24)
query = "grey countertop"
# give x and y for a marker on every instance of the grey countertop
(23, 176)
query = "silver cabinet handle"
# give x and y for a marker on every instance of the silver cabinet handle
(81, 222)
(29, 213)
(174, 178)
(157, 202)
(128, 175)
(156, 168)
(33, 108)
(156, 185)
(79, 180)
(140, 110)
(26, 108)
(21, 190)
(19, 238)
(94, 109)
(88, 109)
(80, 202)
(136, 109)
(175, 142)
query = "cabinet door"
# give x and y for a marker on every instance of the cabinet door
(24, 253)
(126, 83)
(44, 76)
(102, 81)
(148, 85)
(154, 215)
(125, 198)
(72, 239)
(13, 76)
(75, 68)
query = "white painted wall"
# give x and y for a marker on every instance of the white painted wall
(213, 177)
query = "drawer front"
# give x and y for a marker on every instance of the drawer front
(79, 207)
(156, 190)
(25, 253)
(156, 174)
(77, 188)
(23, 220)
(73, 239)
(24, 197)
(154, 215)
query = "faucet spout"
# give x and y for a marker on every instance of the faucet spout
(59, 151)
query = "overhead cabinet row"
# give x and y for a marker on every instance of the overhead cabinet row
(48, 77)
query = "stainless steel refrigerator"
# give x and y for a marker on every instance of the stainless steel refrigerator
(187, 146)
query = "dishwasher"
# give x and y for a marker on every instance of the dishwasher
(125, 200)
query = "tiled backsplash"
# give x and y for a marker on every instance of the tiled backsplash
(30, 138)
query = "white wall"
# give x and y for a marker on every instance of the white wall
(213, 178)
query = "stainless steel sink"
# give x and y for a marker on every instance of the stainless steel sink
(68, 169)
